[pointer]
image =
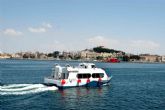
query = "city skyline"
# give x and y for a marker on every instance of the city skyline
(69, 25)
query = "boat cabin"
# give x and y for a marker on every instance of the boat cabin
(83, 71)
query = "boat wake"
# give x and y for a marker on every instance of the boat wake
(21, 89)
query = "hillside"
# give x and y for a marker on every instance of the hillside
(101, 49)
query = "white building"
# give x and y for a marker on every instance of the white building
(4, 56)
(88, 54)
(163, 58)
(106, 55)
(16, 55)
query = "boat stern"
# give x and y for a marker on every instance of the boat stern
(51, 81)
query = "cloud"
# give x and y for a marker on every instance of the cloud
(62, 46)
(129, 46)
(143, 46)
(37, 30)
(41, 29)
(54, 46)
(11, 32)
(48, 25)
(103, 41)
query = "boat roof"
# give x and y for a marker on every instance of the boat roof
(87, 65)
(82, 68)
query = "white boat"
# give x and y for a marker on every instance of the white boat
(85, 74)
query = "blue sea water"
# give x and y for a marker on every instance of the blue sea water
(134, 86)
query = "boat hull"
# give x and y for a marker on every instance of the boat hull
(74, 83)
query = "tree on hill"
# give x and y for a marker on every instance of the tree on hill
(55, 54)
(101, 49)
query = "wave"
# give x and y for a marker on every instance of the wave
(21, 89)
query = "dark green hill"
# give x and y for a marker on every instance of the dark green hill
(101, 49)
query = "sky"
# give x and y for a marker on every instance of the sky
(132, 26)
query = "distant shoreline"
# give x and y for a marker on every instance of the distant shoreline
(80, 60)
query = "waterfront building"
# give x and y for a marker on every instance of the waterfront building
(43, 56)
(163, 58)
(106, 55)
(67, 55)
(88, 54)
(5, 55)
(16, 55)
(149, 58)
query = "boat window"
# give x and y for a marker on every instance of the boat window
(64, 75)
(85, 75)
(79, 76)
(97, 75)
